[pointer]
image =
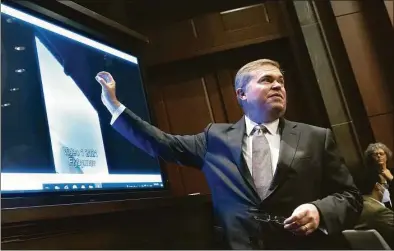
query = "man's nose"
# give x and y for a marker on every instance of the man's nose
(276, 85)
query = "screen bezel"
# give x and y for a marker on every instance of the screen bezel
(63, 16)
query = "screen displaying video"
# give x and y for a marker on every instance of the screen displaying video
(55, 131)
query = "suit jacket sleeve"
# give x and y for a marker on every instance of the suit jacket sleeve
(188, 150)
(384, 223)
(342, 203)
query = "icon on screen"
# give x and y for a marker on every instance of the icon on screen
(90, 186)
(83, 187)
(75, 187)
(66, 187)
(57, 187)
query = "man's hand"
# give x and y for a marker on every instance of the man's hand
(108, 95)
(304, 220)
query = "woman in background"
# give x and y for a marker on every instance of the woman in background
(378, 155)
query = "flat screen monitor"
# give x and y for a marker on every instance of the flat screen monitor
(56, 135)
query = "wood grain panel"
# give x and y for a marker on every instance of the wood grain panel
(178, 226)
(187, 108)
(342, 8)
(365, 63)
(244, 17)
(171, 42)
(213, 32)
(158, 108)
(188, 113)
(216, 98)
(226, 84)
(382, 127)
(185, 102)
(390, 10)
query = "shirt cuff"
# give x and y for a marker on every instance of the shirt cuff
(117, 113)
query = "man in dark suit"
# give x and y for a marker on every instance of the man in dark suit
(375, 214)
(275, 183)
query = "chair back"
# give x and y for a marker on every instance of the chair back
(365, 240)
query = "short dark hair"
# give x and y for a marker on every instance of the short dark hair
(370, 177)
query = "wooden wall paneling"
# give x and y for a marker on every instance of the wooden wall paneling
(226, 84)
(241, 26)
(215, 31)
(188, 110)
(365, 63)
(188, 113)
(186, 105)
(174, 41)
(341, 8)
(382, 36)
(368, 38)
(159, 111)
(215, 98)
(303, 67)
(186, 224)
(383, 129)
(343, 68)
(390, 10)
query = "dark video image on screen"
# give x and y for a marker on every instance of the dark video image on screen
(56, 133)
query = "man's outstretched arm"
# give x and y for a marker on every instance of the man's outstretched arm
(186, 150)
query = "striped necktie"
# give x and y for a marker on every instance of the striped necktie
(261, 161)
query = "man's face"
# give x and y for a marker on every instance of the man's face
(380, 156)
(265, 92)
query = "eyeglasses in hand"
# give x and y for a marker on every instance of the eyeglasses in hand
(267, 218)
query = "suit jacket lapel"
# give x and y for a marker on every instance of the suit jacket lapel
(288, 147)
(235, 136)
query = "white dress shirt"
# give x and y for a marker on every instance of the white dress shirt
(117, 113)
(273, 137)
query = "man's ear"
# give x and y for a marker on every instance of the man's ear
(240, 94)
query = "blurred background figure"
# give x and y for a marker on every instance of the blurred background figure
(378, 156)
(375, 214)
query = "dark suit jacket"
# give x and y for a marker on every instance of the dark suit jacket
(309, 170)
(376, 216)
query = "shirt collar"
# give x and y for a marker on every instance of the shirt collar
(368, 196)
(272, 127)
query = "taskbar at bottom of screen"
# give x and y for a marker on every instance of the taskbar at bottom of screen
(92, 186)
